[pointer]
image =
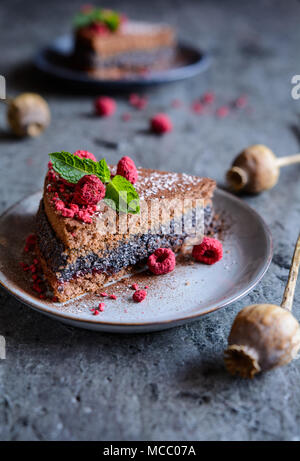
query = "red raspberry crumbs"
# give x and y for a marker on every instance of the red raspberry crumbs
(137, 101)
(105, 106)
(103, 294)
(222, 111)
(208, 97)
(161, 123)
(209, 251)
(135, 286)
(85, 154)
(89, 190)
(126, 117)
(101, 307)
(197, 107)
(162, 261)
(126, 167)
(113, 296)
(139, 296)
(30, 243)
(241, 102)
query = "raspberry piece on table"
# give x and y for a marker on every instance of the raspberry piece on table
(208, 97)
(209, 251)
(85, 154)
(126, 167)
(89, 190)
(105, 106)
(223, 111)
(139, 296)
(135, 286)
(162, 261)
(161, 123)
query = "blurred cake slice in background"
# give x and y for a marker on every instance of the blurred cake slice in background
(108, 45)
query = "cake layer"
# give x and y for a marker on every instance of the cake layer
(71, 273)
(131, 36)
(152, 186)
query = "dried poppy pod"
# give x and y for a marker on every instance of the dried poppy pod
(256, 169)
(265, 336)
(28, 114)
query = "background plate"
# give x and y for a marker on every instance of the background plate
(173, 299)
(52, 60)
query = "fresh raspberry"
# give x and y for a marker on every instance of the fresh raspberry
(139, 296)
(105, 106)
(162, 261)
(161, 123)
(127, 168)
(89, 190)
(209, 251)
(85, 154)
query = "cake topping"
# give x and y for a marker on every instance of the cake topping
(162, 261)
(209, 251)
(127, 169)
(161, 123)
(105, 106)
(98, 19)
(85, 154)
(89, 190)
(139, 296)
(72, 169)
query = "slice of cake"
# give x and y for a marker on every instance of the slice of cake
(108, 45)
(88, 234)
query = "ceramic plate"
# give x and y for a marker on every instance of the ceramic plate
(185, 294)
(53, 61)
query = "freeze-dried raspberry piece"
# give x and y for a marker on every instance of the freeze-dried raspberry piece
(162, 261)
(105, 106)
(126, 167)
(209, 251)
(139, 296)
(161, 123)
(85, 154)
(89, 190)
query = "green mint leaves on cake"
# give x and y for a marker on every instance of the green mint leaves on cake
(120, 193)
(111, 19)
(71, 167)
(123, 195)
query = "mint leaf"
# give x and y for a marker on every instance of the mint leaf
(122, 196)
(103, 171)
(72, 168)
(97, 15)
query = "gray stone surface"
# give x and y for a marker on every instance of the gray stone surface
(63, 383)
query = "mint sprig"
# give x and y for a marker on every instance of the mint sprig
(71, 167)
(97, 15)
(120, 193)
(123, 195)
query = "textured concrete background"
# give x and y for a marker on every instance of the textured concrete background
(63, 383)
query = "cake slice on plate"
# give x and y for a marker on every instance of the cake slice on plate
(110, 46)
(91, 231)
